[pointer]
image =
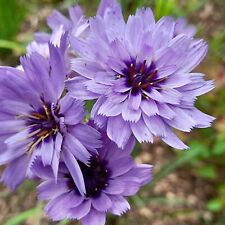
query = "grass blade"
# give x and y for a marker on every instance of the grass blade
(21, 217)
(12, 45)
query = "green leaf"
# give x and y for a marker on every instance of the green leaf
(136, 150)
(201, 150)
(164, 8)
(88, 106)
(207, 172)
(219, 147)
(12, 14)
(19, 219)
(38, 213)
(137, 4)
(222, 191)
(215, 205)
(124, 4)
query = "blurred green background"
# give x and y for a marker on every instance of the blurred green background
(188, 186)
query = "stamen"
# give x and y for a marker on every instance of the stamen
(35, 117)
(43, 133)
(47, 111)
(55, 130)
(143, 67)
(57, 109)
(40, 124)
(145, 96)
(96, 175)
(141, 76)
(34, 133)
(38, 141)
(152, 76)
(160, 80)
(144, 86)
(38, 116)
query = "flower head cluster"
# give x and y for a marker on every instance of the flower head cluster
(110, 175)
(38, 119)
(140, 73)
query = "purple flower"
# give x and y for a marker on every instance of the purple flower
(110, 176)
(42, 46)
(140, 74)
(38, 119)
(77, 24)
(106, 5)
(59, 24)
(182, 27)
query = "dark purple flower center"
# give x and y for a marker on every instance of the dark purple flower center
(42, 124)
(141, 76)
(96, 176)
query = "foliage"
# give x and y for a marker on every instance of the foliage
(12, 14)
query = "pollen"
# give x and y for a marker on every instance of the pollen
(41, 124)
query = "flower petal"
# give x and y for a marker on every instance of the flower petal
(149, 107)
(76, 148)
(115, 187)
(94, 218)
(196, 53)
(15, 172)
(101, 203)
(120, 205)
(134, 100)
(156, 125)
(120, 166)
(141, 131)
(49, 189)
(75, 170)
(118, 130)
(80, 211)
(47, 151)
